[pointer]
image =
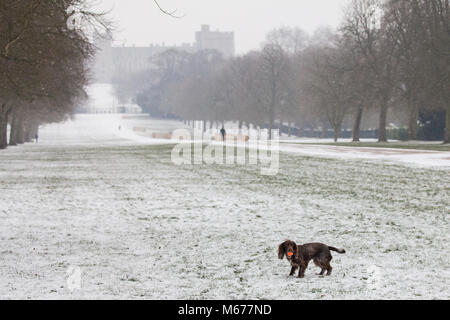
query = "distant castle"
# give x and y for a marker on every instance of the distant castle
(217, 40)
(112, 60)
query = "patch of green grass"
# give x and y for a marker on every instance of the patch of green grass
(392, 145)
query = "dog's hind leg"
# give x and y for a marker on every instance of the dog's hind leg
(328, 266)
(329, 269)
(321, 266)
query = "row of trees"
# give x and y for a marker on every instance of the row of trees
(44, 50)
(386, 55)
(403, 48)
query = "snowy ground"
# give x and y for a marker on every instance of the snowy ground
(112, 204)
(411, 157)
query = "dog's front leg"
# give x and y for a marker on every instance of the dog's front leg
(293, 270)
(301, 271)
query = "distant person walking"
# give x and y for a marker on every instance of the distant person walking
(223, 133)
(36, 137)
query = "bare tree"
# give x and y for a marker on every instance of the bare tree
(363, 28)
(328, 80)
(270, 83)
(438, 24)
(291, 40)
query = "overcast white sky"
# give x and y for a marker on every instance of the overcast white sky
(141, 23)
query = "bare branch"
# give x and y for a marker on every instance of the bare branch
(169, 13)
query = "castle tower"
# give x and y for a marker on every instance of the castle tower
(217, 40)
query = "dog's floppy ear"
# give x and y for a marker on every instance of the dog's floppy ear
(295, 248)
(281, 250)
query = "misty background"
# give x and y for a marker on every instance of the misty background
(139, 22)
(330, 69)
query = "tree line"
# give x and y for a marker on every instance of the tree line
(45, 47)
(385, 55)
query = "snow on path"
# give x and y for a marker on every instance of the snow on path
(103, 129)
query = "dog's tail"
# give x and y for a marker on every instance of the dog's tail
(337, 250)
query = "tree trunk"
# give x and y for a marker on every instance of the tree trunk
(337, 133)
(413, 118)
(382, 134)
(14, 127)
(356, 133)
(29, 130)
(271, 126)
(447, 126)
(20, 130)
(3, 126)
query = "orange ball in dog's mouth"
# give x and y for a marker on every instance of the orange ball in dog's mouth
(290, 254)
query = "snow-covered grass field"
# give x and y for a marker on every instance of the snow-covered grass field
(137, 226)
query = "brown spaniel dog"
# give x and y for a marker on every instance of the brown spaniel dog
(300, 255)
